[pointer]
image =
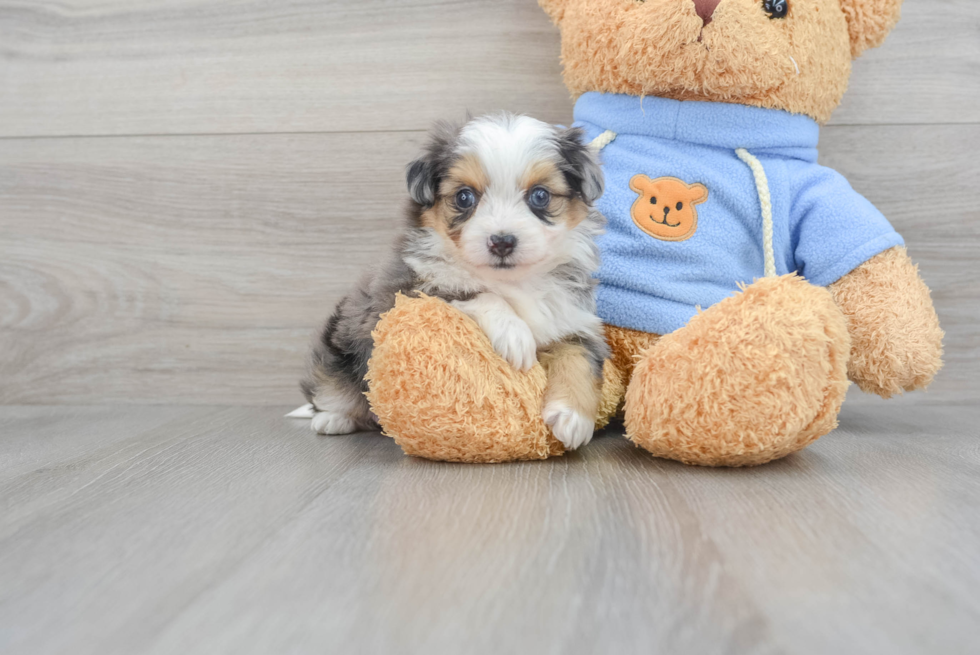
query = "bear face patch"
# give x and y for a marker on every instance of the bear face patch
(666, 208)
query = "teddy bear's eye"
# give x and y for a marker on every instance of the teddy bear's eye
(653, 200)
(776, 8)
(680, 206)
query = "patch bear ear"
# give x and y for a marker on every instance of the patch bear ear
(554, 8)
(641, 184)
(869, 22)
(699, 193)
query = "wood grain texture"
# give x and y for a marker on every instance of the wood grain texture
(86, 67)
(196, 269)
(926, 72)
(155, 66)
(184, 267)
(234, 530)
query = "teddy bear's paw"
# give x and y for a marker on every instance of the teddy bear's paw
(572, 428)
(332, 423)
(896, 341)
(441, 391)
(755, 377)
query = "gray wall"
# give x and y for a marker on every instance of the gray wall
(187, 187)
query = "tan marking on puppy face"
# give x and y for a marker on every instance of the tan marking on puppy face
(467, 171)
(440, 219)
(575, 212)
(565, 207)
(544, 173)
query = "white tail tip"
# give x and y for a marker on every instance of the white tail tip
(306, 411)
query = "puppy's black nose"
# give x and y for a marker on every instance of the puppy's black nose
(502, 244)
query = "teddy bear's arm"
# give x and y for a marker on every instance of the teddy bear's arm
(896, 341)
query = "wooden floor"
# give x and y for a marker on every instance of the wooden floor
(231, 530)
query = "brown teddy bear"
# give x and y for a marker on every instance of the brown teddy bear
(770, 279)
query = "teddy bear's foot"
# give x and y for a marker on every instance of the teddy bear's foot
(754, 378)
(439, 389)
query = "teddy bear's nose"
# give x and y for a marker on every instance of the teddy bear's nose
(705, 9)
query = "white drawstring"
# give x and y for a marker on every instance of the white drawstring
(765, 200)
(761, 187)
(603, 140)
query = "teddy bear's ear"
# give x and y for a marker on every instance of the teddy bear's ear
(554, 8)
(869, 22)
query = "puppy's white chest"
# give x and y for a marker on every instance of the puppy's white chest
(550, 312)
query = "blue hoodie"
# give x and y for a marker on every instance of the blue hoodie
(822, 228)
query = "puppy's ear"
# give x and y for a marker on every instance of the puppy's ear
(869, 22)
(425, 173)
(580, 165)
(422, 183)
(554, 8)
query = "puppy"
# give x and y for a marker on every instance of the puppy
(500, 225)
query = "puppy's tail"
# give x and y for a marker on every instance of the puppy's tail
(306, 411)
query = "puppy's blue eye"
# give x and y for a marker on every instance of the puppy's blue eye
(539, 198)
(465, 199)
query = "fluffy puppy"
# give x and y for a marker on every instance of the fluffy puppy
(500, 225)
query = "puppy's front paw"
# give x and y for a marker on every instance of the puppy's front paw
(569, 426)
(332, 423)
(512, 339)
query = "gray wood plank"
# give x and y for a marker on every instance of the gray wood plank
(35, 439)
(195, 269)
(151, 67)
(926, 72)
(191, 266)
(850, 579)
(81, 67)
(135, 532)
(234, 530)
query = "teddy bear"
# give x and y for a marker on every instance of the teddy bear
(743, 286)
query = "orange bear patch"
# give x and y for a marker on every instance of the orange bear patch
(666, 207)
